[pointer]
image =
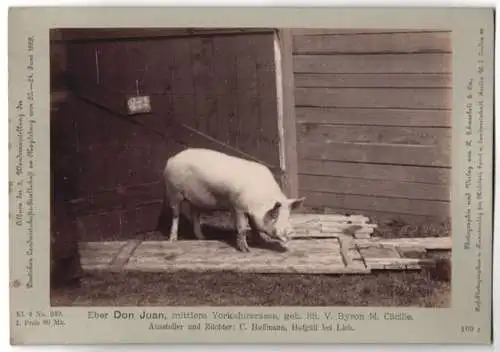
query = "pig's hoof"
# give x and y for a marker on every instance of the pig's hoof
(200, 237)
(243, 247)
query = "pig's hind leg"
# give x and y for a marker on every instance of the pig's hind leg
(175, 204)
(195, 218)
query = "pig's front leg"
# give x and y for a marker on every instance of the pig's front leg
(240, 222)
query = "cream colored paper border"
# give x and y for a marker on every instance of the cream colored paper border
(428, 325)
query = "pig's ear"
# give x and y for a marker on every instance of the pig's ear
(297, 202)
(273, 213)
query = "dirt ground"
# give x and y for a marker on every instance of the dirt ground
(424, 288)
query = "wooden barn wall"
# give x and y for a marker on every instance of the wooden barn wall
(373, 111)
(216, 91)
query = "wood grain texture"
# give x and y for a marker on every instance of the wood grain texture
(416, 155)
(384, 63)
(268, 133)
(356, 31)
(382, 216)
(372, 80)
(430, 243)
(398, 173)
(362, 204)
(305, 256)
(423, 42)
(408, 98)
(288, 110)
(123, 255)
(374, 117)
(148, 33)
(201, 50)
(380, 188)
(377, 134)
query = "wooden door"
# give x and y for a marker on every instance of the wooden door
(214, 89)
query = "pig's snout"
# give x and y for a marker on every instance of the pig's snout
(285, 236)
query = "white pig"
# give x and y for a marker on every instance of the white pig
(207, 179)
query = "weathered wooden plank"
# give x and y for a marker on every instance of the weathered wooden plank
(377, 134)
(402, 98)
(309, 219)
(416, 155)
(426, 175)
(355, 31)
(370, 80)
(430, 243)
(95, 266)
(411, 190)
(105, 245)
(340, 227)
(285, 83)
(424, 42)
(382, 204)
(374, 117)
(124, 254)
(394, 263)
(411, 251)
(379, 251)
(381, 216)
(384, 63)
(304, 256)
(88, 259)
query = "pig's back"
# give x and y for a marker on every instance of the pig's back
(214, 178)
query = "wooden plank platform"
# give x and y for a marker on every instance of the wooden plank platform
(323, 244)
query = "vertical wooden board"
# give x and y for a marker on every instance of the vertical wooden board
(158, 67)
(119, 64)
(247, 97)
(182, 82)
(202, 59)
(287, 120)
(268, 121)
(222, 87)
(82, 65)
(231, 60)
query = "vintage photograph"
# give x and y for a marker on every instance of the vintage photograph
(251, 167)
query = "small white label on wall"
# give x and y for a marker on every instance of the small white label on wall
(139, 105)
